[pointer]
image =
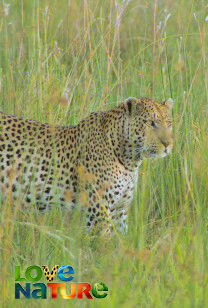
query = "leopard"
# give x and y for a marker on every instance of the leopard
(92, 166)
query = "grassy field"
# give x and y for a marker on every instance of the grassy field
(61, 60)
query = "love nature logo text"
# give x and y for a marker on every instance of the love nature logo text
(39, 290)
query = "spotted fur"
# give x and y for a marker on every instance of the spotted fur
(50, 276)
(93, 165)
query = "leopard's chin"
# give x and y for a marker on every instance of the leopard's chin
(162, 155)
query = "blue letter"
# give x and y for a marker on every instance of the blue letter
(19, 288)
(61, 273)
(42, 290)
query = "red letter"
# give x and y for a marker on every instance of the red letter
(86, 291)
(54, 286)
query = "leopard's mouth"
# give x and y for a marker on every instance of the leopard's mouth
(163, 154)
(154, 153)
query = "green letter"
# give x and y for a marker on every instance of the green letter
(99, 290)
(17, 274)
(38, 273)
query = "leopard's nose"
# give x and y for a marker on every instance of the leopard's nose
(166, 145)
(167, 149)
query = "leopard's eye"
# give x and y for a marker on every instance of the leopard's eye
(153, 124)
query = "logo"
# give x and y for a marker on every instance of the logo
(67, 289)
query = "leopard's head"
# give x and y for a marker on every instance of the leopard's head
(150, 125)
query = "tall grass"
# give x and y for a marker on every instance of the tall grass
(61, 60)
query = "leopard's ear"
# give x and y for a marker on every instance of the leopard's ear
(133, 106)
(130, 104)
(169, 103)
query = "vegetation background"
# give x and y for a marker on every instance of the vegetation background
(61, 60)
